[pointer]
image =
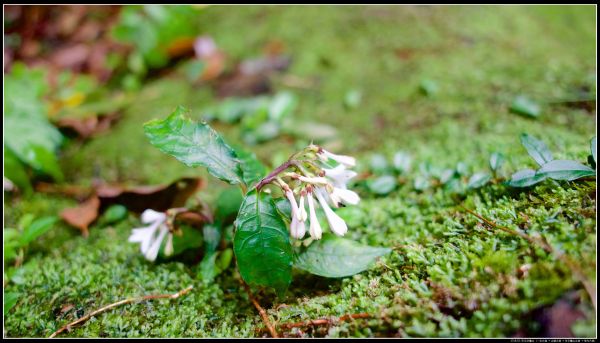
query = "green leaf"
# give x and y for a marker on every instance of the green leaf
(478, 180)
(212, 237)
(194, 144)
(10, 300)
(428, 87)
(309, 130)
(261, 243)
(496, 161)
(15, 171)
(526, 107)
(383, 184)
(536, 149)
(191, 238)
(402, 161)
(379, 163)
(593, 149)
(335, 257)
(224, 260)
(252, 169)
(28, 133)
(282, 105)
(228, 204)
(421, 183)
(37, 228)
(113, 214)
(352, 99)
(525, 178)
(565, 170)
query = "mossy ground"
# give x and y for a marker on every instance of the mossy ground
(449, 275)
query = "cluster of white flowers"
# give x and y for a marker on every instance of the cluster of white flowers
(151, 236)
(329, 186)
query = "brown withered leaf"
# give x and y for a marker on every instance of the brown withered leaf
(136, 199)
(89, 126)
(158, 198)
(83, 215)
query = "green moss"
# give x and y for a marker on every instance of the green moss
(448, 275)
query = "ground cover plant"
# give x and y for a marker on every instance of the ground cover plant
(381, 171)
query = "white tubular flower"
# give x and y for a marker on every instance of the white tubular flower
(295, 211)
(347, 196)
(313, 180)
(340, 175)
(297, 228)
(348, 161)
(149, 242)
(302, 209)
(336, 223)
(315, 228)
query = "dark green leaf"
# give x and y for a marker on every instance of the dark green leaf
(228, 204)
(37, 228)
(336, 257)
(113, 214)
(194, 144)
(496, 161)
(10, 300)
(565, 170)
(526, 107)
(402, 161)
(284, 207)
(383, 184)
(191, 238)
(252, 169)
(525, 178)
(262, 244)
(536, 149)
(478, 180)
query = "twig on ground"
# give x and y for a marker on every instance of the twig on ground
(543, 243)
(122, 302)
(261, 310)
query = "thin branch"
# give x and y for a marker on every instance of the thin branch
(122, 302)
(543, 243)
(267, 179)
(261, 310)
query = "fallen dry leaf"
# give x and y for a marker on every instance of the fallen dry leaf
(136, 199)
(90, 126)
(83, 215)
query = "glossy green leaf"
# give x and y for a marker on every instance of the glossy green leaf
(496, 161)
(194, 144)
(525, 178)
(524, 106)
(261, 243)
(335, 257)
(37, 228)
(252, 169)
(565, 170)
(383, 184)
(478, 180)
(536, 149)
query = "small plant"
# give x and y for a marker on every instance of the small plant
(272, 220)
(562, 170)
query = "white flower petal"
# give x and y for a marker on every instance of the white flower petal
(152, 252)
(336, 223)
(295, 212)
(302, 209)
(347, 196)
(339, 175)
(343, 159)
(315, 227)
(151, 216)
